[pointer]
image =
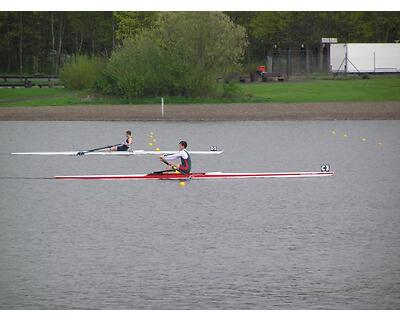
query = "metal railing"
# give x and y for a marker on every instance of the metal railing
(29, 81)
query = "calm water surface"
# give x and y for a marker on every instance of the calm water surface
(329, 243)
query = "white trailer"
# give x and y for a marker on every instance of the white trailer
(365, 57)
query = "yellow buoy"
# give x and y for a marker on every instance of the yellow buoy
(150, 144)
(182, 183)
(345, 135)
(157, 149)
(363, 139)
(333, 132)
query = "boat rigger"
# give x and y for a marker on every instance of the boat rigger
(200, 176)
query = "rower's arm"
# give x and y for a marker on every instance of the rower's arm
(173, 156)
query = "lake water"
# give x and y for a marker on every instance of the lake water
(324, 243)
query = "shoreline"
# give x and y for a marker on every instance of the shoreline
(208, 112)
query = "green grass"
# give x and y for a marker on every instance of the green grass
(378, 88)
(37, 97)
(60, 97)
(20, 93)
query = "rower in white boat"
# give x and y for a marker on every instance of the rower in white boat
(124, 146)
(182, 155)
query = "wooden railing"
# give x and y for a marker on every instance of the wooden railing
(28, 81)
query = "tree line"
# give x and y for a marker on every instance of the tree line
(42, 42)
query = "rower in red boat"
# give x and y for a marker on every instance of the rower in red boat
(181, 155)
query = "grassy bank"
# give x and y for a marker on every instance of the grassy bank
(32, 97)
(379, 88)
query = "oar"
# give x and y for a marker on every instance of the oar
(172, 165)
(162, 171)
(81, 153)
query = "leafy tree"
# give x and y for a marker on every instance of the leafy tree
(183, 55)
(244, 19)
(269, 28)
(134, 70)
(131, 23)
(205, 45)
(386, 26)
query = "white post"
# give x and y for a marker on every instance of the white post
(374, 62)
(162, 107)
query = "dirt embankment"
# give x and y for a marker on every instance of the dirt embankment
(194, 112)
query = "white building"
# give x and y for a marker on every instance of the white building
(365, 57)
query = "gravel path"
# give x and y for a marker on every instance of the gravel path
(194, 112)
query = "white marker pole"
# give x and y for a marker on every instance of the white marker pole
(162, 107)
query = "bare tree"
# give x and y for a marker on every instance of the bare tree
(61, 26)
(21, 30)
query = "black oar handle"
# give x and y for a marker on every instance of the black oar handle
(173, 166)
(81, 153)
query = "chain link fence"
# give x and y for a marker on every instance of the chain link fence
(297, 63)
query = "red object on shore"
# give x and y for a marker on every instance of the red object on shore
(261, 69)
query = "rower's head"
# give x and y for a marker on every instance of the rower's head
(182, 145)
(128, 133)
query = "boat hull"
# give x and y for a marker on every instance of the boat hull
(199, 176)
(111, 153)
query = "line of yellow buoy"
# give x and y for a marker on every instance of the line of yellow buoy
(363, 139)
(153, 140)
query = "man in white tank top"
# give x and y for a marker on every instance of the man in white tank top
(181, 155)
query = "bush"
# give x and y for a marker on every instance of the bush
(135, 70)
(231, 90)
(205, 44)
(183, 56)
(82, 72)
